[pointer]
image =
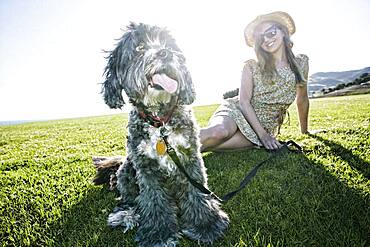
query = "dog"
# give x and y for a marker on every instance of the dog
(155, 195)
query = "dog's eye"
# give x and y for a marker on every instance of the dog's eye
(140, 48)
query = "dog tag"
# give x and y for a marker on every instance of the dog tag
(161, 147)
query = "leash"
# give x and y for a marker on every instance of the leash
(172, 153)
(163, 147)
(289, 145)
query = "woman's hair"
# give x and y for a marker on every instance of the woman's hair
(267, 63)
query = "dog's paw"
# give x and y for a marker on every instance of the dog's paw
(208, 231)
(171, 242)
(125, 218)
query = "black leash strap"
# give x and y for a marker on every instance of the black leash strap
(290, 145)
(172, 153)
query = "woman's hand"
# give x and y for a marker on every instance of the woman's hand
(269, 142)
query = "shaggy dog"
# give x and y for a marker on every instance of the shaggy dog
(155, 195)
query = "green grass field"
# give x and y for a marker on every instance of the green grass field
(321, 198)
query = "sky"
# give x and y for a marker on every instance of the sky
(52, 59)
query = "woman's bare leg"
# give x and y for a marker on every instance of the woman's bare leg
(236, 142)
(219, 129)
(222, 134)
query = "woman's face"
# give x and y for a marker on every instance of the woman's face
(270, 35)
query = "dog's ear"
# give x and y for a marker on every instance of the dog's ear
(187, 91)
(115, 71)
(112, 88)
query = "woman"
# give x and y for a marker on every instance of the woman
(268, 87)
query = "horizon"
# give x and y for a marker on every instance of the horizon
(126, 109)
(52, 59)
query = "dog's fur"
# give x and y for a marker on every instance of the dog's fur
(155, 195)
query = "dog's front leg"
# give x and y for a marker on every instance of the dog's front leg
(127, 184)
(158, 223)
(125, 214)
(202, 218)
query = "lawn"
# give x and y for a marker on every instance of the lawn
(321, 198)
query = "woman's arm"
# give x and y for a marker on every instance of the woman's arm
(303, 105)
(245, 96)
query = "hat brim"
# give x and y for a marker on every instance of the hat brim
(280, 17)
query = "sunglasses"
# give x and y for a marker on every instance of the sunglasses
(269, 33)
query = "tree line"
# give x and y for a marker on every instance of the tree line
(365, 77)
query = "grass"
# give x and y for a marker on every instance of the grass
(321, 198)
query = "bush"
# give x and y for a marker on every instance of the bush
(340, 86)
(357, 81)
(231, 94)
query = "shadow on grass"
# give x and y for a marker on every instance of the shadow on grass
(353, 160)
(85, 224)
(292, 201)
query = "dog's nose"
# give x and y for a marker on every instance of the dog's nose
(165, 54)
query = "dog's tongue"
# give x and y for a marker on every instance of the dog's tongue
(168, 84)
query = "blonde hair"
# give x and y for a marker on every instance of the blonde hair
(266, 61)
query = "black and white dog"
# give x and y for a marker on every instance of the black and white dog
(155, 195)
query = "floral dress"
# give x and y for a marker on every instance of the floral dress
(270, 99)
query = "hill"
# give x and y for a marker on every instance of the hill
(351, 90)
(320, 80)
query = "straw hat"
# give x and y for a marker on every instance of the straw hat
(280, 17)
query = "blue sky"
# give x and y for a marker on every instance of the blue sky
(52, 61)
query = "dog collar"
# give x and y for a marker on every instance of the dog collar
(153, 119)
